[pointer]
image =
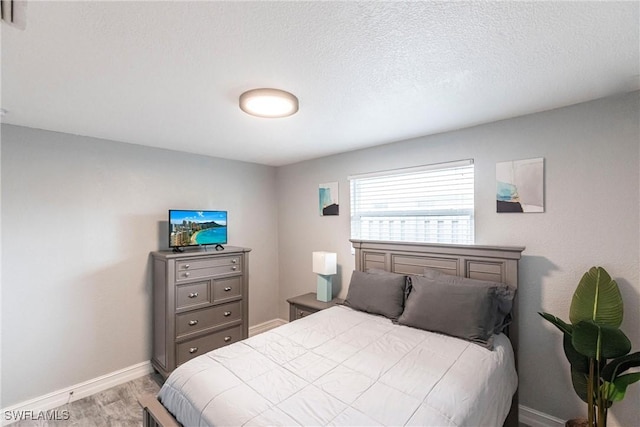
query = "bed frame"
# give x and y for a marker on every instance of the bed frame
(494, 263)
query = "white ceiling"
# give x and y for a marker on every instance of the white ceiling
(169, 74)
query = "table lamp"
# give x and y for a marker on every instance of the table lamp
(324, 265)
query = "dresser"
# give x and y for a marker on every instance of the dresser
(200, 303)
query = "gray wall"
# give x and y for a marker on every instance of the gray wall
(591, 154)
(79, 218)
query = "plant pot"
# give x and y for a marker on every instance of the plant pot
(577, 422)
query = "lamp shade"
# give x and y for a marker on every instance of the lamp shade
(325, 263)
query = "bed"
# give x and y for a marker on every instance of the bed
(353, 365)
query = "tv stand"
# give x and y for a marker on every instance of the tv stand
(177, 250)
(219, 247)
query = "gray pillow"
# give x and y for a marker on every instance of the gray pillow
(407, 281)
(502, 292)
(460, 310)
(377, 293)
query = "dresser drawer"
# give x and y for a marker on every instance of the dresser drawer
(199, 320)
(206, 263)
(230, 287)
(192, 295)
(188, 274)
(194, 264)
(198, 346)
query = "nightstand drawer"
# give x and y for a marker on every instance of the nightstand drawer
(303, 312)
(304, 305)
(189, 349)
(199, 320)
(192, 295)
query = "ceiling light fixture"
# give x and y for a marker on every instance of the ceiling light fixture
(269, 103)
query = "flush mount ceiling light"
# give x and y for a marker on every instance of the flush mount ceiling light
(270, 103)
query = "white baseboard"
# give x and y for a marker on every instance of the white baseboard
(61, 397)
(264, 327)
(534, 418)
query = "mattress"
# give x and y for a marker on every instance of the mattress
(342, 367)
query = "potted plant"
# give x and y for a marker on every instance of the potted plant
(597, 350)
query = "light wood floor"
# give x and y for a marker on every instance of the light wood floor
(115, 407)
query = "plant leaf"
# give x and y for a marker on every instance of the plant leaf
(580, 384)
(616, 390)
(619, 365)
(579, 362)
(566, 328)
(597, 298)
(599, 341)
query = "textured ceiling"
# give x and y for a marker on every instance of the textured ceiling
(168, 74)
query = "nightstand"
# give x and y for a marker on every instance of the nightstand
(304, 305)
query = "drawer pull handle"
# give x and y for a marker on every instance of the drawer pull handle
(227, 289)
(234, 261)
(193, 322)
(227, 313)
(227, 339)
(234, 268)
(186, 266)
(193, 350)
(186, 274)
(193, 295)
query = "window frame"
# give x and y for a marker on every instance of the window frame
(416, 225)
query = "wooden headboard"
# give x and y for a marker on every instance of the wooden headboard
(493, 263)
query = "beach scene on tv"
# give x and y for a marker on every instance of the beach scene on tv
(191, 228)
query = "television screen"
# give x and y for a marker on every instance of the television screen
(194, 228)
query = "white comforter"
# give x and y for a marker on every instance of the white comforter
(345, 368)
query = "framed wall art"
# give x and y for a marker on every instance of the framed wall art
(329, 199)
(520, 186)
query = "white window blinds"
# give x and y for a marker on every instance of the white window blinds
(426, 204)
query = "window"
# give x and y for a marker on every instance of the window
(425, 204)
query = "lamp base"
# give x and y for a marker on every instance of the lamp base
(324, 292)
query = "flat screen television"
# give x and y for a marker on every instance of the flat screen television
(197, 228)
